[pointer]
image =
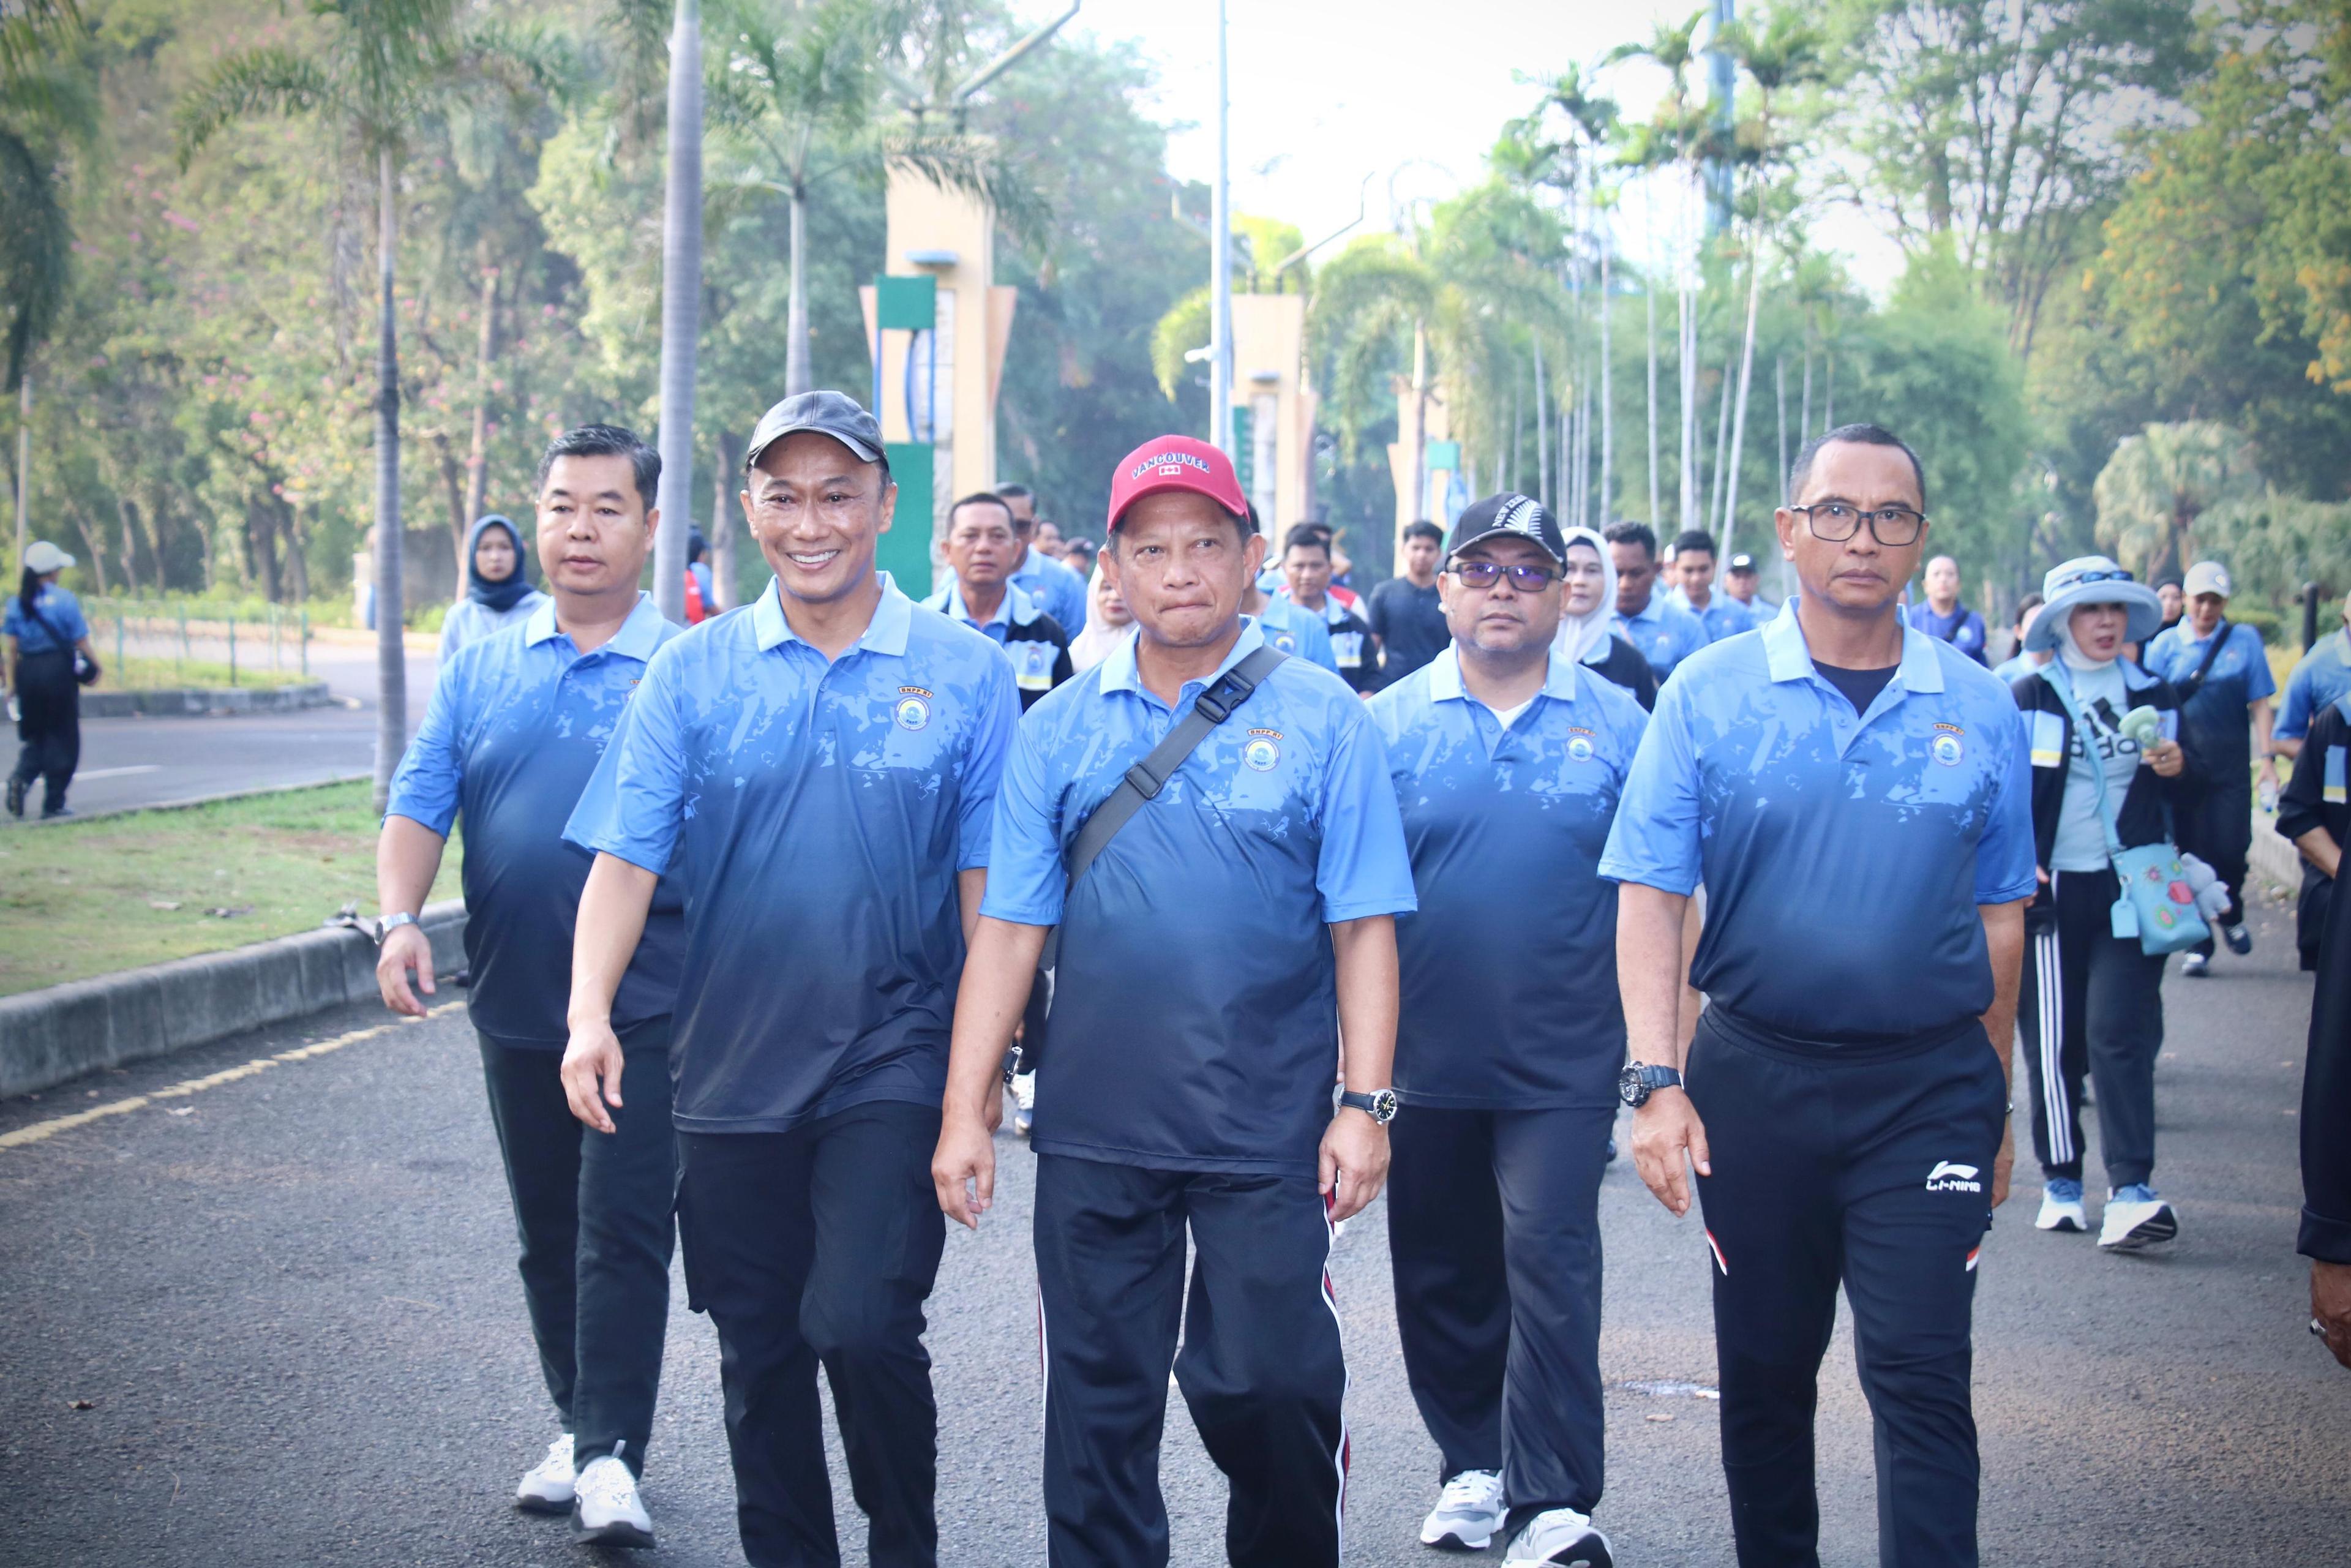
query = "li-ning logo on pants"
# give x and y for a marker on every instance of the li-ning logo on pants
(1948, 1177)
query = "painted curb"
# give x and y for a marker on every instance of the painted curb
(63, 1032)
(192, 701)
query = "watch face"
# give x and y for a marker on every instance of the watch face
(1629, 1087)
(1383, 1106)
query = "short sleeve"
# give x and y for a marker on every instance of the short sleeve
(1025, 881)
(2258, 682)
(2294, 717)
(2006, 859)
(432, 771)
(1655, 840)
(2300, 803)
(634, 801)
(1364, 868)
(996, 714)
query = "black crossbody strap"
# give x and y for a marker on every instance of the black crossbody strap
(2195, 682)
(1147, 777)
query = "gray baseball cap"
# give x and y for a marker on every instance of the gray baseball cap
(827, 413)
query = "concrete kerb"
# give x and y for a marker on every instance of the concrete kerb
(198, 701)
(63, 1032)
(2273, 858)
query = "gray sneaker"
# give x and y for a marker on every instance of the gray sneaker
(1469, 1513)
(1563, 1536)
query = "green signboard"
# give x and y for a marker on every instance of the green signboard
(1445, 455)
(1245, 446)
(905, 304)
(905, 552)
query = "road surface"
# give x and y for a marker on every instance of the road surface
(289, 1300)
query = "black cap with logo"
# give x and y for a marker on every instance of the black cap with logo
(825, 412)
(1514, 516)
(1742, 563)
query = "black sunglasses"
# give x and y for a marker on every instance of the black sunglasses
(1486, 573)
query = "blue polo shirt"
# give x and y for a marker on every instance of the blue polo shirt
(516, 726)
(1518, 1012)
(2213, 723)
(1963, 629)
(1664, 633)
(59, 610)
(1194, 1021)
(815, 816)
(1062, 592)
(1844, 854)
(2012, 670)
(1722, 617)
(1297, 632)
(2322, 675)
(1032, 658)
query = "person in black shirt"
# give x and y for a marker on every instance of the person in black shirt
(1406, 620)
(2311, 812)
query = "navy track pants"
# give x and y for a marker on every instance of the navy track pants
(1870, 1166)
(818, 1246)
(1494, 1238)
(1261, 1367)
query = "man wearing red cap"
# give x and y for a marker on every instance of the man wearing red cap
(1208, 948)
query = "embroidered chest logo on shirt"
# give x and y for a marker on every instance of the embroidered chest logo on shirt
(1579, 744)
(912, 709)
(1945, 747)
(1263, 752)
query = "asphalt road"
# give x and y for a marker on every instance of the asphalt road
(132, 762)
(289, 1300)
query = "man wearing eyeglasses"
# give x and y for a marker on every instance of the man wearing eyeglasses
(1508, 762)
(1855, 795)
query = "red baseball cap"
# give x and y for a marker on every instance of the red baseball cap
(1175, 463)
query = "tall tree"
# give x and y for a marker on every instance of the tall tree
(2160, 481)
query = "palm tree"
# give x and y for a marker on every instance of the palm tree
(379, 67)
(803, 104)
(2158, 482)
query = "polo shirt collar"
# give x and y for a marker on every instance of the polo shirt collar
(1016, 608)
(1791, 660)
(1445, 678)
(885, 633)
(639, 635)
(1649, 611)
(1119, 673)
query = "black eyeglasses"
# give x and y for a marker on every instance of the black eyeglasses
(1486, 573)
(1837, 521)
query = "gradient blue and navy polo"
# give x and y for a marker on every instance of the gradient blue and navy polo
(516, 726)
(2214, 724)
(2323, 676)
(1194, 1021)
(815, 815)
(1722, 617)
(1510, 966)
(1301, 633)
(1844, 854)
(1663, 632)
(1062, 592)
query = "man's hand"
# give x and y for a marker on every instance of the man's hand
(2003, 1163)
(963, 1167)
(592, 1073)
(2330, 1304)
(1666, 1131)
(2165, 758)
(406, 950)
(1354, 1162)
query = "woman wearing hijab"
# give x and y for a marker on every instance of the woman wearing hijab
(48, 658)
(1588, 603)
(498, 585)
(2094, 999)
(1107, 624)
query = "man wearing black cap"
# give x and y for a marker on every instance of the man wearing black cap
(1508, 762)
(1739, 581)
(816, 774)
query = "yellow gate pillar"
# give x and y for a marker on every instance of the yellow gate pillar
(1273, 408)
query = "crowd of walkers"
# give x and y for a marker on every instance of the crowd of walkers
(1247, 898)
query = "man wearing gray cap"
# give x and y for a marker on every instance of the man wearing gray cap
(48, 654)
(2223, 676)
(815, 773)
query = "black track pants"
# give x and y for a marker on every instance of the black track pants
(1262, 1366)
(2218, 831)
(594, 1214)
(1871, 1168)
(2091, 1005)
(820, 1245)
(1494, 1236)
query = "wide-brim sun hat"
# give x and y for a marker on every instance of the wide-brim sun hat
(2092, 580)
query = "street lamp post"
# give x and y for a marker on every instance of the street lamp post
(1220, 266)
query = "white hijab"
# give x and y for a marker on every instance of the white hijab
(1092, 645)
(1582, 636)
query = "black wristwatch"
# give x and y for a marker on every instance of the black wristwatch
(1636, 1083)
(1380, 1105)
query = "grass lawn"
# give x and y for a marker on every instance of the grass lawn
(137, 674)
(79, 899)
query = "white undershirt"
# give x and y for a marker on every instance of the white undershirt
(1509, 716)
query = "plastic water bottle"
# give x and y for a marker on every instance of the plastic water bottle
(2269, 795)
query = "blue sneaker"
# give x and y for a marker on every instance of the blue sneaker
(2136, 1218)
(2061, 1205)
(2239, 940)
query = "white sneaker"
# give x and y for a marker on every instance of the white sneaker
(545, 1487)
(2136, 1218)
(606, 1509)
(1560, 1535)
(2060, 1206)
(2196, 964)
(1024, 1102)
(1468, 1512)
